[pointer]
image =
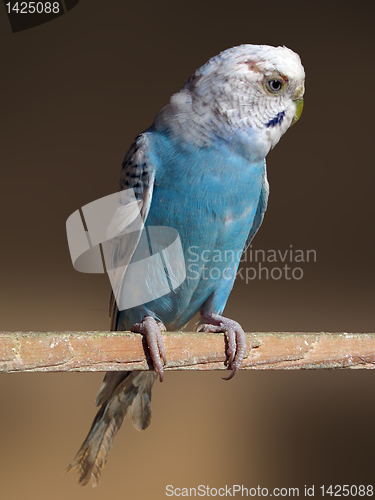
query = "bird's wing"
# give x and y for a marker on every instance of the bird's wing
(137, 174)
(262, 206)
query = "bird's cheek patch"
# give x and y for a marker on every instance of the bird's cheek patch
(276, 120)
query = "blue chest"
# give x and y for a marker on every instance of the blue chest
(209, 195)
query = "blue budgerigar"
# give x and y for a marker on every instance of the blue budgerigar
(200, 169)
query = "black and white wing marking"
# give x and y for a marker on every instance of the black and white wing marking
(138, 175)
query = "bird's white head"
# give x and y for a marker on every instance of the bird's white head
(254, 90)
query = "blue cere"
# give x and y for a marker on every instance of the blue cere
(277, 120)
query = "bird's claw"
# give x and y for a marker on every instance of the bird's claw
(236, 338)
(152, 330)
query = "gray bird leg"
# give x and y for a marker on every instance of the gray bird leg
(235, 335)
(152, 329)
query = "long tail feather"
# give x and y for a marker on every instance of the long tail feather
(141, 407)
(133, 391)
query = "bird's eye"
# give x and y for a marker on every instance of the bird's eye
(274, 85)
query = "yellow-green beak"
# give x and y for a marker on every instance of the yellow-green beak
(299, 109)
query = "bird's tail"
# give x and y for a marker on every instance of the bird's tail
(120, 392)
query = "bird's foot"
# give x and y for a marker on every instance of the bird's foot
(236, 338)
(152, 329)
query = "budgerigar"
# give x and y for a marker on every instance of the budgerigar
(200, 169)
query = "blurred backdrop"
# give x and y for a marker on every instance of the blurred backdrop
(74, 94)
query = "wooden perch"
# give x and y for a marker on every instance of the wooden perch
(112, 351)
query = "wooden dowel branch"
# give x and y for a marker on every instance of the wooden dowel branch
(113, 351)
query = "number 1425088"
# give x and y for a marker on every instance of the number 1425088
(33, 7)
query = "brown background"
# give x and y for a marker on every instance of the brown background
(74, 93)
